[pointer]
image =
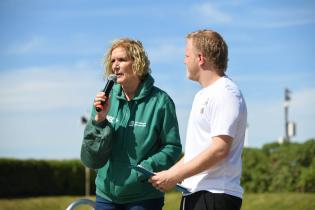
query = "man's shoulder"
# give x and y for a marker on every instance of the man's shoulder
(228, 86)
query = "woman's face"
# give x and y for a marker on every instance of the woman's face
(122, 67)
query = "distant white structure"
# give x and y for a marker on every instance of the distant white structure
(246, 142)
(281, 140)
(84, 119)
(289, 127)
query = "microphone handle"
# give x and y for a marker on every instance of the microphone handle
(107, 89)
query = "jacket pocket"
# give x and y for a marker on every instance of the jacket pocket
(122, 181)
(130, 188)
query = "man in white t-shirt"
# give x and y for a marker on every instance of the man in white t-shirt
(212, 166)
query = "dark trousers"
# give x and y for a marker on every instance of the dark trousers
(151, 204)
(204, 200)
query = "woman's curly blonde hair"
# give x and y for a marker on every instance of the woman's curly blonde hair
(135, 51)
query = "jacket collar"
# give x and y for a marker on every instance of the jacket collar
(143, 89)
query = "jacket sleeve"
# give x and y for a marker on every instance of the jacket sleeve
(97, 144)
(170, 145)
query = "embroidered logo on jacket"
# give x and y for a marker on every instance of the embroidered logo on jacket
(137, 124)
(111, 119)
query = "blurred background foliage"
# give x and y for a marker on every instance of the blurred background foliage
(288, 167)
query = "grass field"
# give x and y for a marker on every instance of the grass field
(270, 201)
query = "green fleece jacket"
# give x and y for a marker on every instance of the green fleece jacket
(141, 131)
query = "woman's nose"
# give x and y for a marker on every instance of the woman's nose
(116, 65)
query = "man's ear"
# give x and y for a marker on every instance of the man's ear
(201, 59)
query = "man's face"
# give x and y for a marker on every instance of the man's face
(191, 61)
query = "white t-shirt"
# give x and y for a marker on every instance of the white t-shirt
(218, 109)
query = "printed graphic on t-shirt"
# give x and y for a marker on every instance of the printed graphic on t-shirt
(204, 105)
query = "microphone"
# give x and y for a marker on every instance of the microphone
(111, 79)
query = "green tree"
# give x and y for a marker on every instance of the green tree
(256, 175)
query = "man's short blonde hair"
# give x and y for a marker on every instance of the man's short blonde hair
(212, 46)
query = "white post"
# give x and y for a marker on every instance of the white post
(87, 181)
(84, 120)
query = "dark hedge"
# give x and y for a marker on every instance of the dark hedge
(42, 177)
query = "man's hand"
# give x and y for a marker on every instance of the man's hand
(164, 180)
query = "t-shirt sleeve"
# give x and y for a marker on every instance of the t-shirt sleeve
(224, 115)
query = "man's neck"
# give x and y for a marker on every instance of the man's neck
(208, 77)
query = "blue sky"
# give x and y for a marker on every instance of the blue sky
(51, 64)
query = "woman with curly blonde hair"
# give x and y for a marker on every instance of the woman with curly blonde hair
(138, 126)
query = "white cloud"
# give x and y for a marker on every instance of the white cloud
(302, 112)
(265, 122)
(28, 46)
(209, 14)
(266, 118)
(237, 14)
(166, 52)
(262, 78)
(285, 17)
(275, 17)
(40, 109)
(304, 100)
(46, 88)
(76, 44)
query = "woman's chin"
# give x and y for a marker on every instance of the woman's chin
(120, 81)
